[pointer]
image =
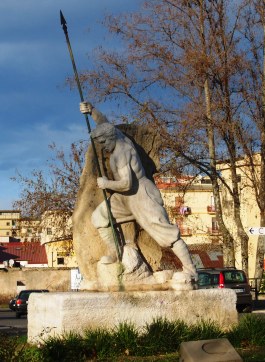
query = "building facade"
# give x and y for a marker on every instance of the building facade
(9, 224)
(248, 175)
(56, 235)
(190, 204)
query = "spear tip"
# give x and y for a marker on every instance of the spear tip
(63, 21)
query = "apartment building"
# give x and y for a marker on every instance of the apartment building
(9, 224)
(56, 236)
(15, 228)
(190, 204)
(249, 210)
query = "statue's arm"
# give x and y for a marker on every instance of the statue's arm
(88, 108)
(123, 184)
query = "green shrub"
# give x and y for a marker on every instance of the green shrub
(10, 348)
(157, 341)
(249, 332)
(162, 336)
(30, 354)
(204, 330)
(99, 344)
(70, 348)
(16, 349)
(126, 339)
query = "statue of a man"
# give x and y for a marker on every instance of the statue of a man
(134, 197)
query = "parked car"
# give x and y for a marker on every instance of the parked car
(228, 278)
(21, 307)
(12, 303)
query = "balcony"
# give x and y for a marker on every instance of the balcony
(185, 231)
(181, 210)
(211, 209)
(214, 231)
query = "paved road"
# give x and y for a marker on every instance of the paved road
(259, 306)
(9, 324)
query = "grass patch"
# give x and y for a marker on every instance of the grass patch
(162, 336)
(16, 349)
(249, 332)
(157, 341)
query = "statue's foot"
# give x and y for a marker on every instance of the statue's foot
(108, 259)
(191, 271)
(182, 281)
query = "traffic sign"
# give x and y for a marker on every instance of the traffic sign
(257, 230)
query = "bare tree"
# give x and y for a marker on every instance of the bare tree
(252, 136)
(183, 54)
(55, 190)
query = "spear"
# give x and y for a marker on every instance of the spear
(64, 26)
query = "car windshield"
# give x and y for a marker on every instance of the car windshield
(234, 276)
(204, 279)
(24, 296)
(212, 278)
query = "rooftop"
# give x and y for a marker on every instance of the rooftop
(32, 252)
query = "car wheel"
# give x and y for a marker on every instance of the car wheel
(247, 309)
(244, 308)
(18, 315)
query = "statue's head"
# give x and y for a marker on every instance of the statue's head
(105, 134)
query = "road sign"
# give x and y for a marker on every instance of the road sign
(257, 230)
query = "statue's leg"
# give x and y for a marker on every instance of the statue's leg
(100, 220)
(106, 235)
(180, 249)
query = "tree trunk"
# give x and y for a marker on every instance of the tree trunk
(228, 242)
(231, 146)
(261, 240)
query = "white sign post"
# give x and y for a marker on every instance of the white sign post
(76, 279)
(257, 230)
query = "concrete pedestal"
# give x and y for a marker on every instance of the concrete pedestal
(51, 314)
(212, 350)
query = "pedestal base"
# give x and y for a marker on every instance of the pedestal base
(51, 314)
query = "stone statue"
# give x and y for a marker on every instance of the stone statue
(134, 196)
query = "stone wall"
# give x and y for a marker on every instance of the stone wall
(13, 280)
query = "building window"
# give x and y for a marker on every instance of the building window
(8, 223)
(206, 181)
(214, 224)
(7, 233)
(60, 261)
(49, 231)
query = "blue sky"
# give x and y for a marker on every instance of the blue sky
(36, 108)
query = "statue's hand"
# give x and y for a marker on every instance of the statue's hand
(86, 108)
(102, 182)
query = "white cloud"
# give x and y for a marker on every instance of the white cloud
(36, 109)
